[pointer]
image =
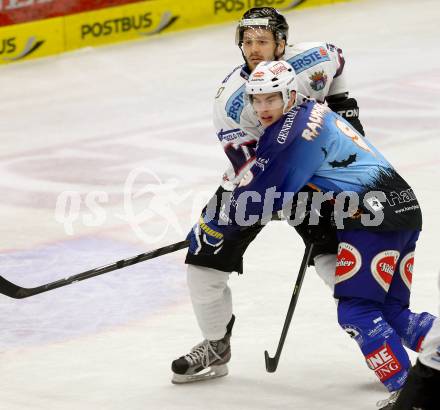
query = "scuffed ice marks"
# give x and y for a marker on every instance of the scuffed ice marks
(97, 304)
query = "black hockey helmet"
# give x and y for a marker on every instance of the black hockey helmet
(263, 17)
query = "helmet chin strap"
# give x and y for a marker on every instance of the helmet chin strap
(298, 97)
(244, 58)
(285, 110)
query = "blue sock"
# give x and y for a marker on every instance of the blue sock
(380, 344)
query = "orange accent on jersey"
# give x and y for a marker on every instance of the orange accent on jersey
(313, 187)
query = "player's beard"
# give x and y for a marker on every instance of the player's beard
(251, 65)
(280, 55)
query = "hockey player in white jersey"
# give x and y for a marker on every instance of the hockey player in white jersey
(261, 35)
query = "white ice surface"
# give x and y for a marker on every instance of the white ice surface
(83, 121)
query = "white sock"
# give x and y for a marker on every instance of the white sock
(211, 299)
(325, 266)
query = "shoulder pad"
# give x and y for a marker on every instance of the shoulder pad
(297, 48)
(231, 73)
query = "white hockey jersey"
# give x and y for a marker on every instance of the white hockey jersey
(319, 67)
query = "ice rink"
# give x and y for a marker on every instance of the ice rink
(110, 152)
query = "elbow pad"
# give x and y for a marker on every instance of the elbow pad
(348, 109)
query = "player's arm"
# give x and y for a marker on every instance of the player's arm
(278, 173)
(238, 145)
(274, 179)
(338, 98)
(347, 108)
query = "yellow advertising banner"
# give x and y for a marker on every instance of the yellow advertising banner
(230, 10)
(147, 18)
(123, 23)
(22, 42)
(127, 22)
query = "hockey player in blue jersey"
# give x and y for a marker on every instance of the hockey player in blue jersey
(377, 216)
(261, 34)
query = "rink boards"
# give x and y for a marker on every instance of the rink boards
(133, 21)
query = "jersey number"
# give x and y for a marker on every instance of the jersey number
(353, 135)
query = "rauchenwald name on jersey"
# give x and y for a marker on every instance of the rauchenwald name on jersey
(319, 68)
(313, 145)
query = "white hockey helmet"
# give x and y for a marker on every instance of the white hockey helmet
(271, 77)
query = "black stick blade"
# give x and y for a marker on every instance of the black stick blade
(12, 290)
(271, 362)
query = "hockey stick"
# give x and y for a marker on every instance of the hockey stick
(17, 292)
(272, 362)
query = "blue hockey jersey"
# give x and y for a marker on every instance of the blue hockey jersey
(315, 146)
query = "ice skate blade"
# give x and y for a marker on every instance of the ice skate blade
(210, 373)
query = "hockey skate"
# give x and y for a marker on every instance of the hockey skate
(388, 404)
(205, 361)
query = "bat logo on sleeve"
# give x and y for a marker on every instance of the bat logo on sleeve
(345, 162)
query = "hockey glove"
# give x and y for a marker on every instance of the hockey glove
(348, 109)
(205, 238)
(323, 234)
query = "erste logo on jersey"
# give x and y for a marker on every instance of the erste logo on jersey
(383, 266)
(309, 59)
(406, 269)
(348, 262)
(383, 362)
(235, 104)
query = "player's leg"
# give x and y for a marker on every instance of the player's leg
(325, 268)
(363, 320)
(411, 327)
(365, 266)
(207, 277)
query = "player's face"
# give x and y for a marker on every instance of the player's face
(268, 107)
(259, 45)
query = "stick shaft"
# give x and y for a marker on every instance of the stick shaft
(272, 362)
(17, 292)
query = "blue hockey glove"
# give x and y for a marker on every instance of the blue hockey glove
(205, 238)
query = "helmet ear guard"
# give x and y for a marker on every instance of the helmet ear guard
(270, 77)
